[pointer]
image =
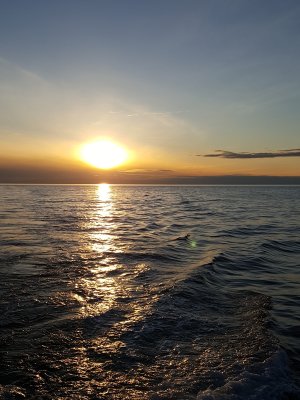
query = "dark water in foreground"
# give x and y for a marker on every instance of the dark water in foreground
(149, 292)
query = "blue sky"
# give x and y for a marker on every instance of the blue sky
(168, 79)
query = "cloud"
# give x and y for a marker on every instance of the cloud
(243, 155)
(142, 171)
(163, 114)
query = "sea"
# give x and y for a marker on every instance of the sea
(149, 292)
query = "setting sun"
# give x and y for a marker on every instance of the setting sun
(103, 154)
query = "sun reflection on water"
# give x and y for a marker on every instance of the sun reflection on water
(101, 237)
(111, 295)
(109, 281)
(104, 192)
(98, 286)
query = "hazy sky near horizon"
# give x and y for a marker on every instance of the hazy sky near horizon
(167, 79)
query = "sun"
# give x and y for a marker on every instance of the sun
(103, 154)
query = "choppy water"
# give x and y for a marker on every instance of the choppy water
(140, 292)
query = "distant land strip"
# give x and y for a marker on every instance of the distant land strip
(31, 176)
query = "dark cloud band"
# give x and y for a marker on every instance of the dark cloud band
(243, 155)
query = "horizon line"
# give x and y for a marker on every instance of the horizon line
(178, 180)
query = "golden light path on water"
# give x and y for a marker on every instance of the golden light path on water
(111, 284)
(102, 240)
(99, 288)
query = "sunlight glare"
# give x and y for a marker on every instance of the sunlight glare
(103, 154)
(104, 192)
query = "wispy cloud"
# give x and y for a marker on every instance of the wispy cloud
(142, 171)
(149, 113)
(243, 155)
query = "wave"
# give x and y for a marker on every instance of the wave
(12, 392)
(267, 380)
(286, 246)
(138, 256)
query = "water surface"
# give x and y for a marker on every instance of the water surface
(149, 292)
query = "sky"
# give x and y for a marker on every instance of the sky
(191, 88)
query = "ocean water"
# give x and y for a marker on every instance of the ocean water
(149, 292)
